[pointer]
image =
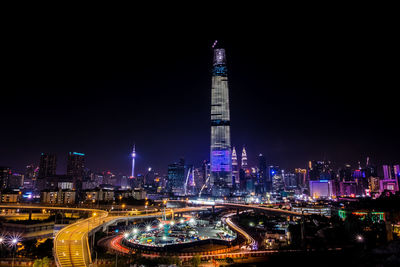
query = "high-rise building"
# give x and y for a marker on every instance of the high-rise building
(301, 177)
(5, 175)
(176, 177)
(262, 173)
(243, 164)
(396, 171)
(16, 180)
(149, 177)
(320, 170)
(47, 165)
(31, 174)
(220, 152)
(235, 170)
(391, 171)
(290, 181)
(345, 173)
(76, 168)
(133, 155)
(387, 172)
(276, 176)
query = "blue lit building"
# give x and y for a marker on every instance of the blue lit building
(220, 152)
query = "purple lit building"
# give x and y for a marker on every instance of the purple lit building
(220, 151)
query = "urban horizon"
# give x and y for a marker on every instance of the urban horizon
(124, 144)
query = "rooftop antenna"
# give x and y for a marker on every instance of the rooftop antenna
(215, 43)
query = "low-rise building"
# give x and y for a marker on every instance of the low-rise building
(320, 210)
(138, 193)
(61, 196)
(10, 196)
(94, 195)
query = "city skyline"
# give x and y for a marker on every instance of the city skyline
(292, 101)
(236, 138)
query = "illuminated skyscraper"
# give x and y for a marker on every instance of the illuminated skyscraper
(244, 159)
(220, 152)
(235, 171)
(133, 161)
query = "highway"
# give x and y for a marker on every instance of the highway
(71, 247)
(261, 208)
(249, 240)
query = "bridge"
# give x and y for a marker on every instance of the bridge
(238, 206)
(262, 208)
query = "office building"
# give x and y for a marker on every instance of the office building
(47, 165)
(5, 174)
(176, 177)
(220, 151)
(76, 168)
(262, 174)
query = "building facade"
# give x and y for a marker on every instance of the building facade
(47, 165)
(76, 168)
(220, 151)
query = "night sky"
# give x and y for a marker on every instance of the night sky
(302, 87)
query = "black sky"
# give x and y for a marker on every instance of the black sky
(302, 86)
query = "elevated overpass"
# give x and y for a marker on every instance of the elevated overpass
(71, 245)
(262, 208)
(255, 207)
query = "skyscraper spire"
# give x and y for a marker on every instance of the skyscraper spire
(220, 151)
(244, 158)
(133, 161)
(235, 171)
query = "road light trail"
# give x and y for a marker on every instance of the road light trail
(249, 240)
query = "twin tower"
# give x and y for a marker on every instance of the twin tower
(221, 178)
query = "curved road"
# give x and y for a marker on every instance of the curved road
(71, 247)
(249, 240)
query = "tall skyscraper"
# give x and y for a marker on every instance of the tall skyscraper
(133, 155)
(76, 167)
(262, 173)
(220, 152)
(235, 170)
(244, 159)
(47, 165)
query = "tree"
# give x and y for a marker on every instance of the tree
(45, 262)
(38, 263)
(196, 260)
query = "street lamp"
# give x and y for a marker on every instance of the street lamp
(13, 243)
(360, 238)
(1, 245)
